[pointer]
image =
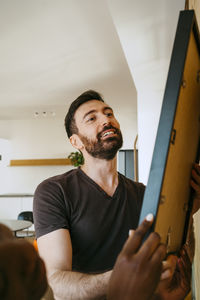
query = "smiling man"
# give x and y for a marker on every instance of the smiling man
(83, 217)
(99, 141)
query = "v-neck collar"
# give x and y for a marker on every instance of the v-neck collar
(82, 173)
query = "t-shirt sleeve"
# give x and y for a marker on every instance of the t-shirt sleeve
(50, 210)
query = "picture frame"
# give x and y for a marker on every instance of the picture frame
(168, 194)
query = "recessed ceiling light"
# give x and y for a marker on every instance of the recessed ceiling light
(36, 114)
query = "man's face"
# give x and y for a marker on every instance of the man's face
(98, 129)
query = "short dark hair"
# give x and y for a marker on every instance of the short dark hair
(70, 124)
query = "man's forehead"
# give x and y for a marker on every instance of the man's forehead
(91, 105)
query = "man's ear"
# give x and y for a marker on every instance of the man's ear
(76, 141)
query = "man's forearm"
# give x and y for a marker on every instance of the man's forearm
(74, 285)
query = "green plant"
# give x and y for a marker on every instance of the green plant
(76, 158)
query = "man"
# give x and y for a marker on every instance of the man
(82, 218)
(23, 274)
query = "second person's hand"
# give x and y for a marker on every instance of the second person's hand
(138, 268)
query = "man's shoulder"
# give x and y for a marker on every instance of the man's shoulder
(58, 180)
(131, 183)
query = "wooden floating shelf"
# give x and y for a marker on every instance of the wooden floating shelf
(40, 162)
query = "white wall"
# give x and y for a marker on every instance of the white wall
(146, 30)
(31, 139)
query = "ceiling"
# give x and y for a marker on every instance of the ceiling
(51, 51)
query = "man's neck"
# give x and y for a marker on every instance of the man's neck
(103, 172)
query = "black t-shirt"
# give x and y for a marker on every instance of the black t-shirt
(98, 223)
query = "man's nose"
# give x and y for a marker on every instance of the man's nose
(105, 120)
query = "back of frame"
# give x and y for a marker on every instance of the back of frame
(168, 191)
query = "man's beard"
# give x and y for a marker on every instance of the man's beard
(103, 149)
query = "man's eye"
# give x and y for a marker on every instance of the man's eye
(109, 114)
(90, 119)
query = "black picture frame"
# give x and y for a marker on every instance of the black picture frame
(168, 193)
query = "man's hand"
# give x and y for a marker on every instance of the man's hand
(137, 270)
(23, 274)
